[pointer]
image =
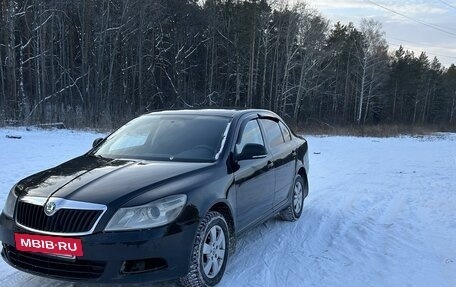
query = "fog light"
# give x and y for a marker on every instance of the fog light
(143, 265)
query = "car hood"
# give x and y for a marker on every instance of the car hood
(100, 180)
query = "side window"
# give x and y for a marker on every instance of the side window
(250, 134)
(285, 132)
(273, 133)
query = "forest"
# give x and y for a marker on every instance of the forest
(99, 63)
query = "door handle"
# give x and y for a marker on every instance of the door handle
(270, 164)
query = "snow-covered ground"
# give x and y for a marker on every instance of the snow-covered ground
(381, 212)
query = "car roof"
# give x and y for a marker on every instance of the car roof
(231, 113)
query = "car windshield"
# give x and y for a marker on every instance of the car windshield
(192, 138)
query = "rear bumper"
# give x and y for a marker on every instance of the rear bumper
(164, 253)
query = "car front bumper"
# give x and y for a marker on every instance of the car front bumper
(151, 255)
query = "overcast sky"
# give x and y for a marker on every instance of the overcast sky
(400, 30)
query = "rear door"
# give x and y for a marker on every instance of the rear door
(254, 179)
(283, 157)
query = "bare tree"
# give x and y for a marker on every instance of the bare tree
(371, 55)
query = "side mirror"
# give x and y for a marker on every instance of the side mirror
(252, 151)
(97, 142)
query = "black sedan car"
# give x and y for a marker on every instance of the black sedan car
(163, 197)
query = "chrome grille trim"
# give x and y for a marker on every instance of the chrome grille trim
(62, 203)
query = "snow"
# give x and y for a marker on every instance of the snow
(380, 212)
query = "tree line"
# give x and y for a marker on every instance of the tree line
(102, 62)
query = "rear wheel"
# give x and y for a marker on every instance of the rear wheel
(294, 209)
(210, 252)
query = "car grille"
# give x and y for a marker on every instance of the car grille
(76, 269)
(63, 221)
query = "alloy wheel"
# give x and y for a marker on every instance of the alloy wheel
(214, 249)
(297, 197)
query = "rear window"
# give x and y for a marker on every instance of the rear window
(273, 132)
(285, 132)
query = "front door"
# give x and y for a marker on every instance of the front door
(254, 179)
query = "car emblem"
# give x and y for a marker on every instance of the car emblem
(49, 208)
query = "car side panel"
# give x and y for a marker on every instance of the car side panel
(284, 167)
(254, 190)
(283, 159)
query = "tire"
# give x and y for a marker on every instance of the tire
(298, 193)
(210, 252)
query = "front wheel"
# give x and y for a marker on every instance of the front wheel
(210, 252)
(294, 209)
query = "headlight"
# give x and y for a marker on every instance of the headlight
(153, 214)
(10, 203)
